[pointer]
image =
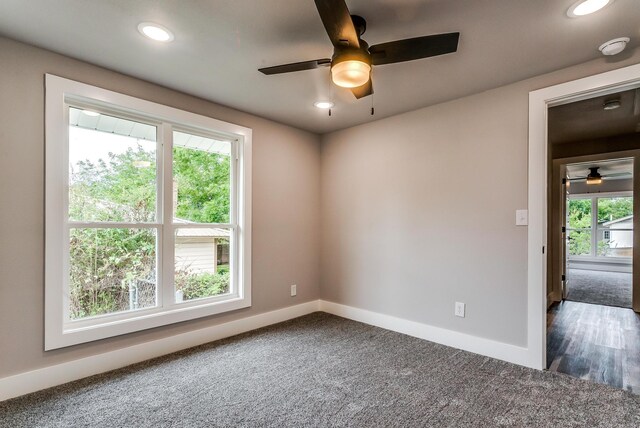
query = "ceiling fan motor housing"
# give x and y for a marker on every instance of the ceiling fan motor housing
(347, 53)
(360, 24)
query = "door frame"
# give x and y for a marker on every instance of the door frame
(539, 103)
(558, 165)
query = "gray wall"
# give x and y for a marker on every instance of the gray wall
(418, 210)
(286, 187)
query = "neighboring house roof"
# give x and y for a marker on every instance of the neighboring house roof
(208, 232)
(608, 223)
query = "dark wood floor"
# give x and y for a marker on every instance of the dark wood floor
(595, 342)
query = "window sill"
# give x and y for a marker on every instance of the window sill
(75, 333)
(590, 259)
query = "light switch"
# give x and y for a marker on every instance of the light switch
(522, 217)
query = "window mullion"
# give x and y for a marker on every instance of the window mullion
(233, 217)
(168, 234)
(594, 226)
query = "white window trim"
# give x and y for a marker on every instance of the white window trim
(58, 334)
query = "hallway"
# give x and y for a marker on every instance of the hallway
(594, 342)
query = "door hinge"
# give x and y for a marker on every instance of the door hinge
(543, 249)
(564, 181)
(564, 278)
(564, 229)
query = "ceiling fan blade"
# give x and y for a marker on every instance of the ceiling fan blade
(416, 48)
(296, 66)
(612, 175)
(337, 21)
(364, 90)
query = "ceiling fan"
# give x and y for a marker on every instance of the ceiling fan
(353, 58)
(594, 177)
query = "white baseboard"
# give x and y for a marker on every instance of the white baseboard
(24, 383)
(478, 345)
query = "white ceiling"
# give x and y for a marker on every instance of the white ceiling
(588, 120)
(220, 44)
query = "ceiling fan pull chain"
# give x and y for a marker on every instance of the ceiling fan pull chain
(330, 90)
(372, 109)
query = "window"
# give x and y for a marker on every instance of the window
(600, 225)
(147, 214)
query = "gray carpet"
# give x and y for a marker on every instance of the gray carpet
(600, 288)
(325, 371)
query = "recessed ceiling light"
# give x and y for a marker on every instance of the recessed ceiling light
(323, 104)
(91, 113)
(614, 47)
(155, 32)
(586, 7)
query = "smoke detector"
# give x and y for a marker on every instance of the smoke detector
(614, 47)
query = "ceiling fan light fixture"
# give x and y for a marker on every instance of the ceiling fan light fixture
(350, 73)
(587, 7)
(594, 176)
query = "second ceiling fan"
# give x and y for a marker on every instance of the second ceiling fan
(353, 58)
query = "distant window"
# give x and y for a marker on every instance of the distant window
(146, 215)
(590, 220)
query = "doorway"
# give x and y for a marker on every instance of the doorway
(591, 325)
(539, 198)
(598, 232)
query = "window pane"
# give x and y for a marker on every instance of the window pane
(579, 242)
(202, 263)
(112, 168)
(615, 227)
(579, 222)
(111, 270)
(201, 179)
(579, 215)
(612, 209)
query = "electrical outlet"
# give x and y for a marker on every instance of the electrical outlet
(459, 310)
(294, 290)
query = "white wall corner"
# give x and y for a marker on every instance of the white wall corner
(477, 345)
